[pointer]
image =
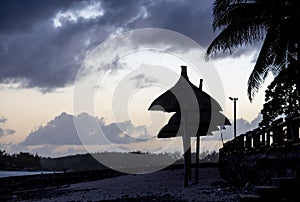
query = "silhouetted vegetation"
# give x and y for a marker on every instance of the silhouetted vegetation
(20, 161)
(81, 162)
(74, 163)
(282, 96)
(209, 157)
(135, 159)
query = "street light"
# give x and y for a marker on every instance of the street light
(234, 103)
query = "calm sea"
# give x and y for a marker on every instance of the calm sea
(20, 173)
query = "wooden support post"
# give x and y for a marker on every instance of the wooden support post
(263, 137)
(277, 132)
(198, 145)
(190, 159)
(186, 146)
(186, 160)
(240, 140)
(295, 127)
(268, 143)
(292, 127)
(248, 141)
(197, 159)
(256, 138)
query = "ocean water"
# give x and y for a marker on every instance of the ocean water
(4, 173)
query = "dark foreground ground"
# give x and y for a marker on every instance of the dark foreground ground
(166, 185)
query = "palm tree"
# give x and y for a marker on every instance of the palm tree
(243, 22)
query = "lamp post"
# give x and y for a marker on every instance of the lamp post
(234, 106)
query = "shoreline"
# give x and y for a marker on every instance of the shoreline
(162, 185)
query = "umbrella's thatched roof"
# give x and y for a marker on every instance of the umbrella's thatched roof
(214, 118)
(174, 130)
(184, 92)
(205, 127)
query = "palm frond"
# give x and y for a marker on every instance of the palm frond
(244, 21)
(235, 35)
(221, 6)
(264, 63)
(238, 12)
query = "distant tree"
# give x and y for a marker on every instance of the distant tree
(282, 96)
(2, 159)
(2, 152)
(27, 160)
(210, 157)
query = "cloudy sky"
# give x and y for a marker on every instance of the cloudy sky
(45, 44)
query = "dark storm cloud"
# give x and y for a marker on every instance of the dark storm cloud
(121, 12)
(191, 18)
(35, 54)
(21, 16)
(61, 131)
(32, 52)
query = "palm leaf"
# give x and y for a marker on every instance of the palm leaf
(235, 35)
(245, 21)
(263, 64)
(238, 12)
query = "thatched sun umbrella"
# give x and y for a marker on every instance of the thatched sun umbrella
(186, 98)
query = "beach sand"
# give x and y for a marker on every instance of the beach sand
(166, 185)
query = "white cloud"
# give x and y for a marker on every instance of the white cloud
(242, 127)
(87, 12)
(90, 130)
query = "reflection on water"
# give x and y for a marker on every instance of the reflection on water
(21, 173)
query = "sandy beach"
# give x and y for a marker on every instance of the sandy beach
(164, 185)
